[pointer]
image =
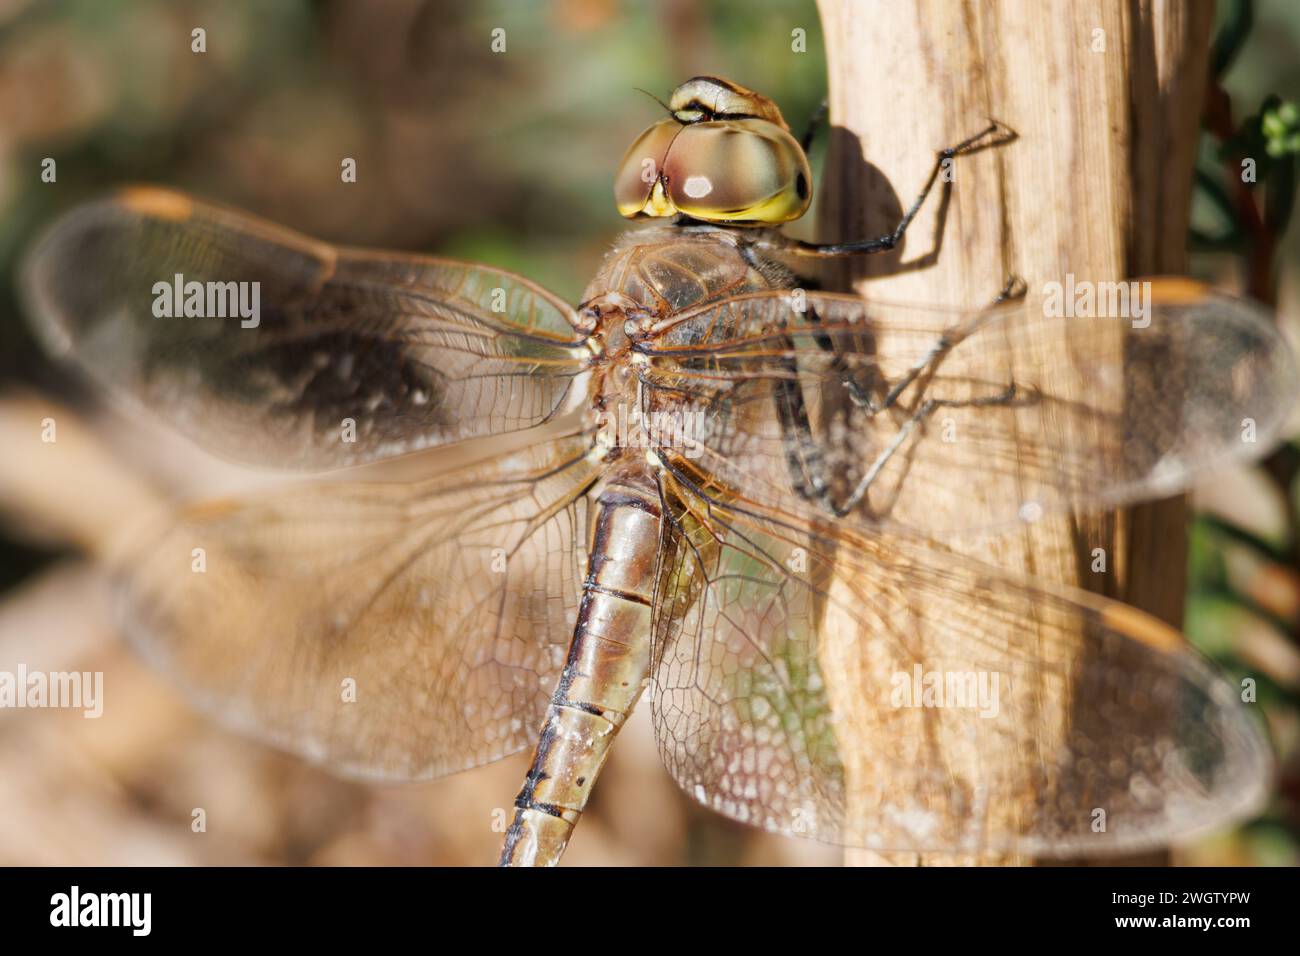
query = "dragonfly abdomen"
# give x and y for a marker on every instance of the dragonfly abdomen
(606, 670)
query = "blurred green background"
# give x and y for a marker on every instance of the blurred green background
(507, 158)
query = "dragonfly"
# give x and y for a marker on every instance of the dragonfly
(709, 480)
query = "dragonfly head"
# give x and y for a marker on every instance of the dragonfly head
(724, 155)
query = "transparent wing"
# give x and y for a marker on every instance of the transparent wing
(878, 692)
(350, 357)
(393, 631)
(929, 421)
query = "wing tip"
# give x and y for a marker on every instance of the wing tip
(1177, 290)
(156, 202)
(1142, 627)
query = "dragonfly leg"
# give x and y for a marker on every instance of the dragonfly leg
(995, 134)
(1014, 288)
(926, 409)
(805, 459)
(803, 453)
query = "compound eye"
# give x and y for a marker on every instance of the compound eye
(641, 167)
(738, 170)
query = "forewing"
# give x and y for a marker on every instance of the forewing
(392, 631)
(351, 357)
(805, 398)
(881, 693)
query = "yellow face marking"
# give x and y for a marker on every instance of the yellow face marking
(658, 205)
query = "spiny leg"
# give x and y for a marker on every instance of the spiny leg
(995, 134)
(805, 458)
(803, 453)
(806, 461)
(1014, 288)
(925, 410)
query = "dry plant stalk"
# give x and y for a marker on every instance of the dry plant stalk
(1105, 97)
